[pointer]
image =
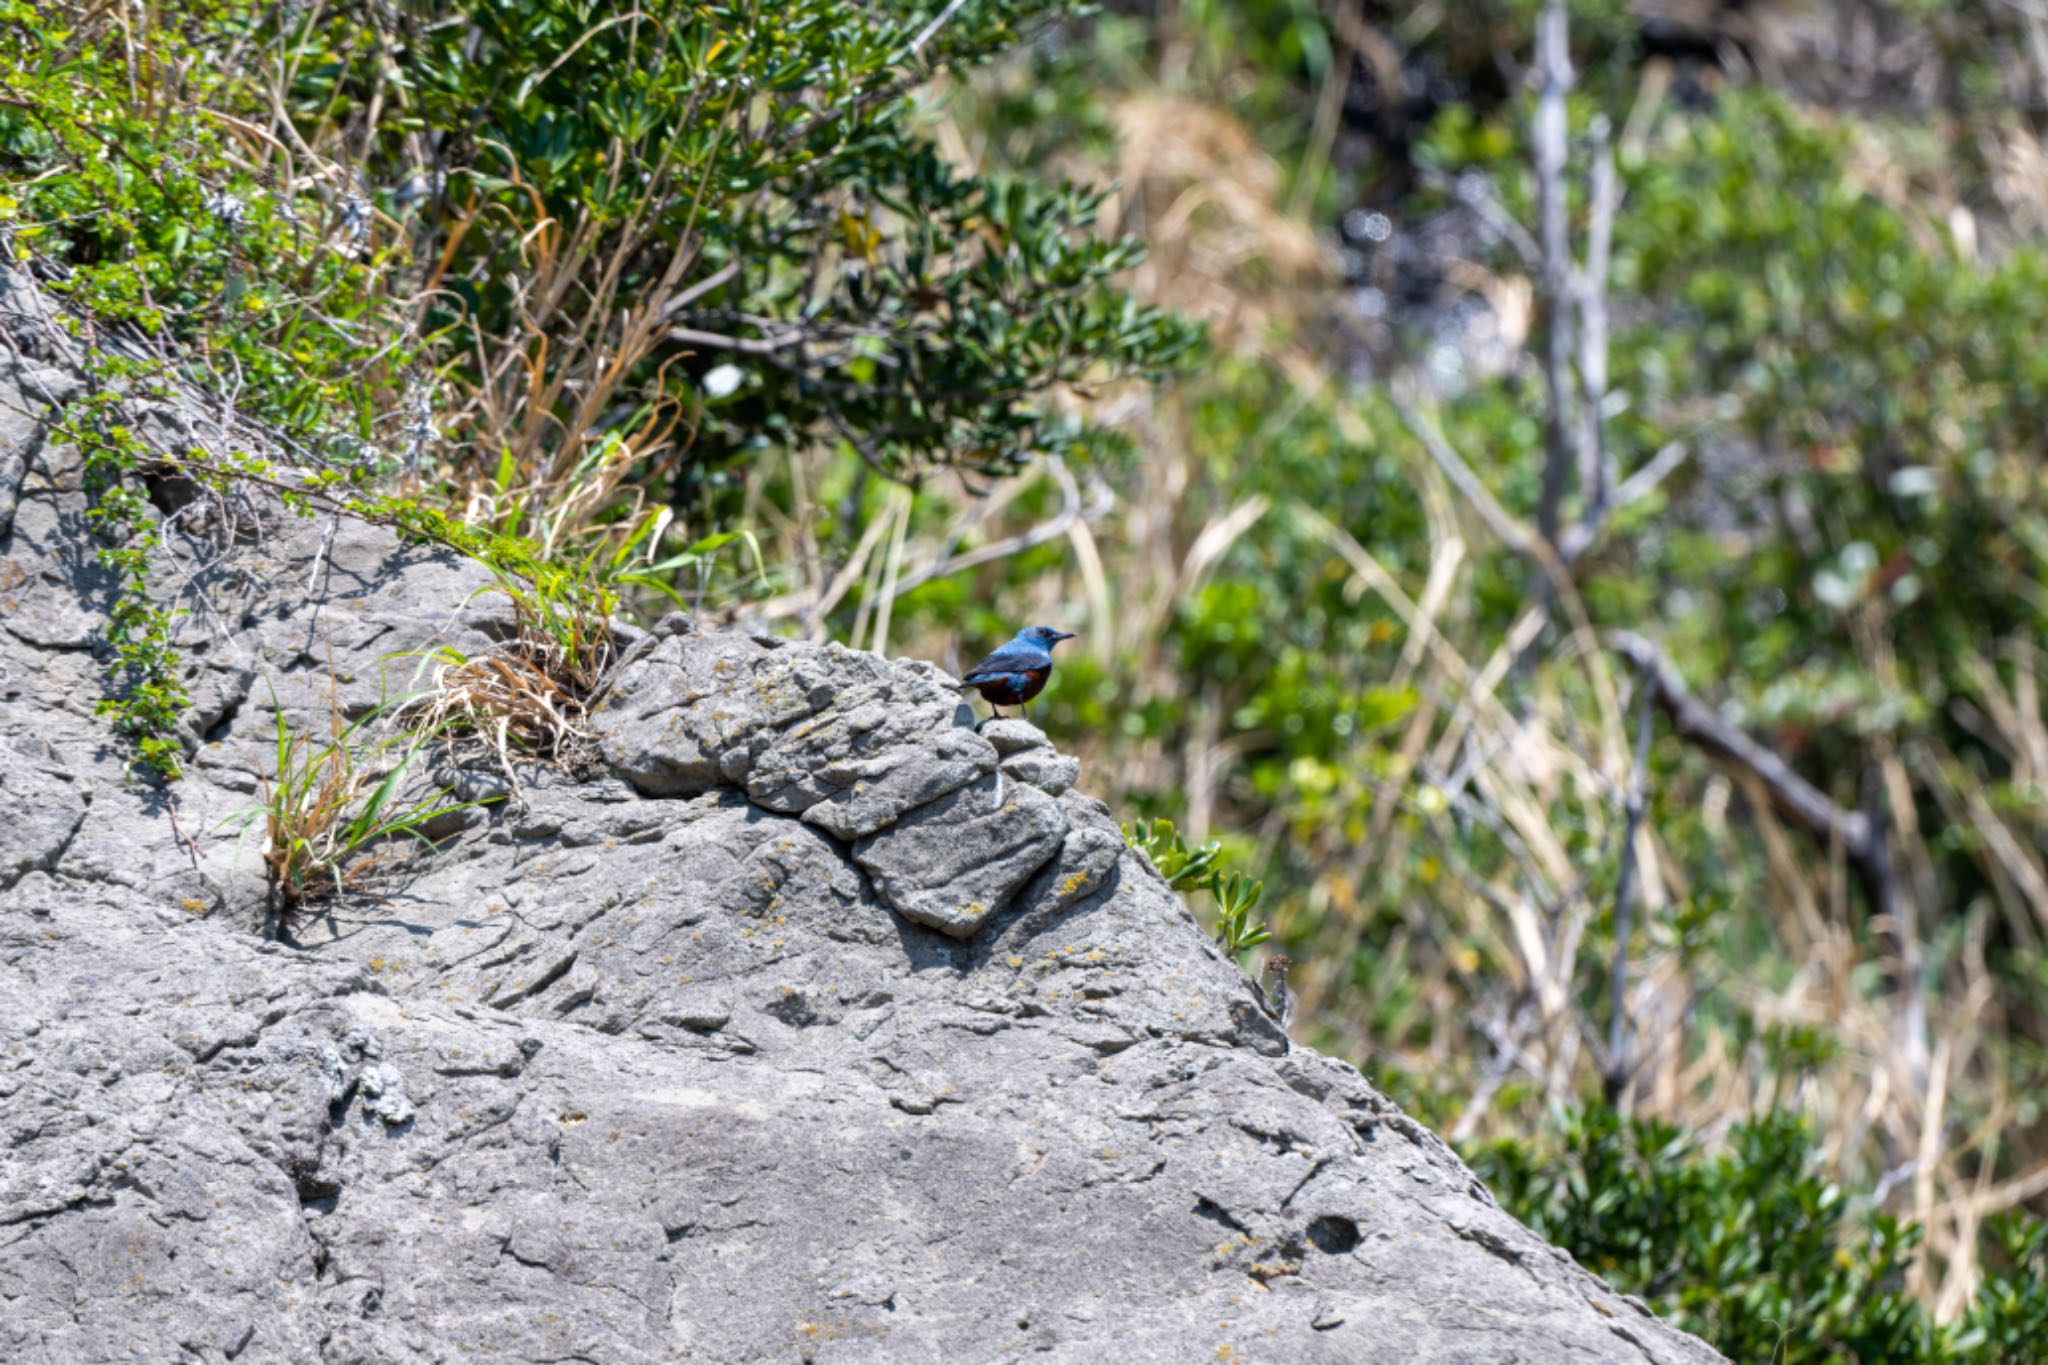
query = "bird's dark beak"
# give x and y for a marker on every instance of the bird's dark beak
(1064, 634)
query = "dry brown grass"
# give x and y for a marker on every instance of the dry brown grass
(509, 702)
(529, 696)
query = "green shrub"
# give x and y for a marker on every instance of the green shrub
(721, 222)
(1756, 1249)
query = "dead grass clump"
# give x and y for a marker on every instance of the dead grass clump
(529, 696)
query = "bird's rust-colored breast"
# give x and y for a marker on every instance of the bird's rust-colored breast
(1014, 688)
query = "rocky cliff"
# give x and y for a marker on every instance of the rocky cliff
(812, 1026)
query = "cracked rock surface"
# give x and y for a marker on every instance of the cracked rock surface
(821, 1028)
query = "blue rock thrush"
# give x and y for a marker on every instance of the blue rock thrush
(1017, 672)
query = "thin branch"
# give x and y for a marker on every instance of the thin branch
(1508, 1053)
(1618, 1065)
(320, 554)
(917, 43)
(1476, 192)
(1579, 537)
(1596, 465)
(1698, 723)
(1498, 519)
(1554, 82)
(699, 290)
(1645, 480)
(689, 336)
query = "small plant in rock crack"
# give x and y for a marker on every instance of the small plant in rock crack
(328, 803)
(1197, 869)
(564, 622)
(529, 694)
(1236, 896)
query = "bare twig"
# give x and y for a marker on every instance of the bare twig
(1694, 721)
(1553, 82)
(190, 845)
(931, 29)
(698, 290)
(690, 336)
(894, 564)
(1596, 469)
(1637, 802)
(1580, 537)
(320, 553)
(1498, 519)
(1508, 1052)
(1475, 191)
(1645, 480)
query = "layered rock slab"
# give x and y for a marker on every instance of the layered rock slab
(1027, 755)
(949, 823)
(958, 861)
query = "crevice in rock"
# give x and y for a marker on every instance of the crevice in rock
(37, 1217)
(337, 1107)
(54, 859)
(545, 980)
(462, 1140)
(1322, 1164)
(315, 1186)
(1281, 1140)
(1205, 1207)
(218, 732)
(505, 1252)
(1490, 1241)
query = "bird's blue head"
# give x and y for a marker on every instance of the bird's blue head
(1045, 637)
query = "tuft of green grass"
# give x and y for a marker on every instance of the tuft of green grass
(332, 809)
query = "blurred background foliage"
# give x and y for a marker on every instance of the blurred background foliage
(1572, 530)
